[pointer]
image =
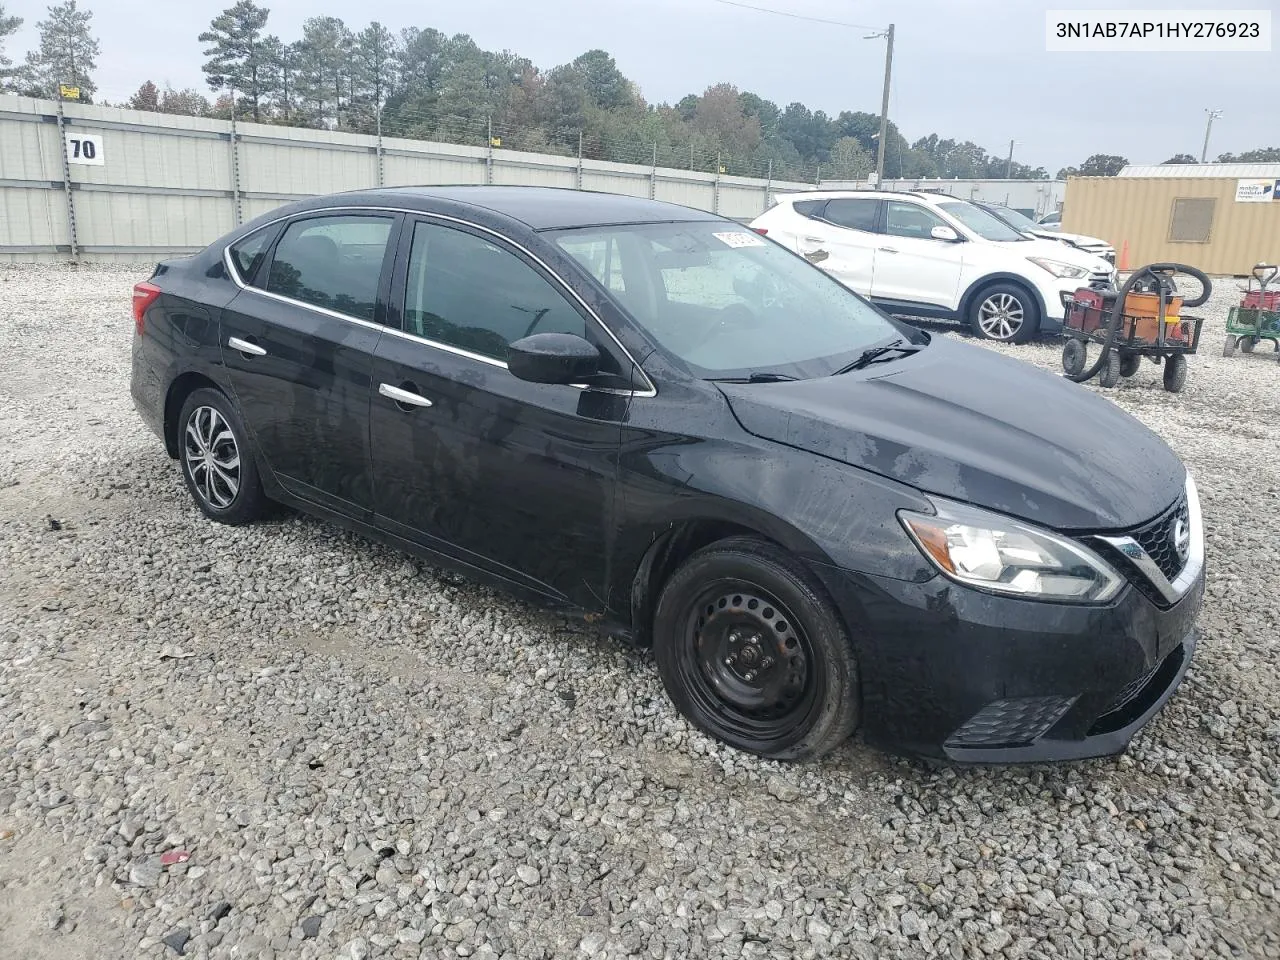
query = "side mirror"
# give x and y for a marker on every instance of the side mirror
(945, 233)
(553, 358)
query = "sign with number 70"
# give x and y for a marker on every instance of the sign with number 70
(84, 148)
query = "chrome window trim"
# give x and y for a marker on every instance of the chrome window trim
(1191, 570)
(650, 390)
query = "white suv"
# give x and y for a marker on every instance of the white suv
(931, 255)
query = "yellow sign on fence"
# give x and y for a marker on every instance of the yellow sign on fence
(68, 93)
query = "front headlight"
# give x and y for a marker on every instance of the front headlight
(1060, 269)
(992, 552)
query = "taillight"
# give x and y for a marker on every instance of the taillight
(763, 231)
(144, 295)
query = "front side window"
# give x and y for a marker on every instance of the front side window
(332, 262)
(984, 224)
(910, 220)
(728, 303)
(466, 292)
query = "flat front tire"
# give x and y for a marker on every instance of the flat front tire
(217, 465)
(753, 652)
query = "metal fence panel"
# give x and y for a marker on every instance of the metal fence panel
(173, 184)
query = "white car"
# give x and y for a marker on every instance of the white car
(1024, 224)
(1051, 221)
(931, 255)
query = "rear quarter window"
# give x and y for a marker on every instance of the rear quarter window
(247, 253)
(809, 208)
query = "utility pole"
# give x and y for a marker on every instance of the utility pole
(884, 103)
(1008, 173)
(1213, 115)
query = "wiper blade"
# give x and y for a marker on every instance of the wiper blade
(755, 378)
(880, 355)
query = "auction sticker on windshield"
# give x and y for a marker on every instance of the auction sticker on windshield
(739, 239)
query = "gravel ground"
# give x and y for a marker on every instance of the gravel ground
(366, 757)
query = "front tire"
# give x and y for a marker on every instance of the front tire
(1005, 313)
(1109, 376)
(1175, 373)
(217, 464)
(752, 651)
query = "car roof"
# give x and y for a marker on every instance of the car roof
(539, 208)
(867, 195)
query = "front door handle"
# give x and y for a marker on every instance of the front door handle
(247, 348)
(406, 397)
(888, 249)
(813, 240)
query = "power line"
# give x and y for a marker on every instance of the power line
(797, 16)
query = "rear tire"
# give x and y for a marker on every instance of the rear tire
(1247, 344)
(1175, 373)
(1005, 313)
(1109, 376)
(752, 651)
(1129, 365)
(216, 461)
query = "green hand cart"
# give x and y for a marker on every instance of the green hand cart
(1257, 317)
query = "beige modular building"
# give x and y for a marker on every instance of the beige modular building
(1220, 217)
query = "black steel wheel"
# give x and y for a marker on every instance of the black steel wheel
(753, 652)
(217, 465)
(1175, 372)
(1075, 354)
(1129, 364)
(1109, 376)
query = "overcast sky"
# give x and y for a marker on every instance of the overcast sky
(968, 69)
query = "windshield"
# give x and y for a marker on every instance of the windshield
(729, 303)
(1014, 219)
(985, 225)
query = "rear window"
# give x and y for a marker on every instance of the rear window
(248, 252)
(808, 208)
(854, 214)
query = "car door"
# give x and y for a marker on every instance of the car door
(517, 478)
(841, 239)
(911, 266)
(298, 344)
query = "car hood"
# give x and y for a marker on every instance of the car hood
(969, 424)
(1053, 248)
(1077, 238)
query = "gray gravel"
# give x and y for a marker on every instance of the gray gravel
(366, 757)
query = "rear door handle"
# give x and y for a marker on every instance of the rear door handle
(888, 249)
(407, 397)
(245, 347)
(812, 239)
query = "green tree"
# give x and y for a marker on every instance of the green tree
(147, 98)
(375, 63)
(280, 62)
(325, 69)
(187, 103)
(604, 82)
(8, 27)
(849, 160)
(1181, 158)
(68, 53)
(237, 54)
(1261, 155)
(1099, 165)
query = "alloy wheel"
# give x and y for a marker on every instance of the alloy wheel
(1001, 316)
(212, 457)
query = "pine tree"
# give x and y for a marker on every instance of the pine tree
(237, 53)
(324, 68)
(8, 26)
(375, 64)
(147, 98)
(68, 53)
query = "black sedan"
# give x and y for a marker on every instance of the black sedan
(819, 517)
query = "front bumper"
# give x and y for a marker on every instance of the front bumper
(961, 675)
